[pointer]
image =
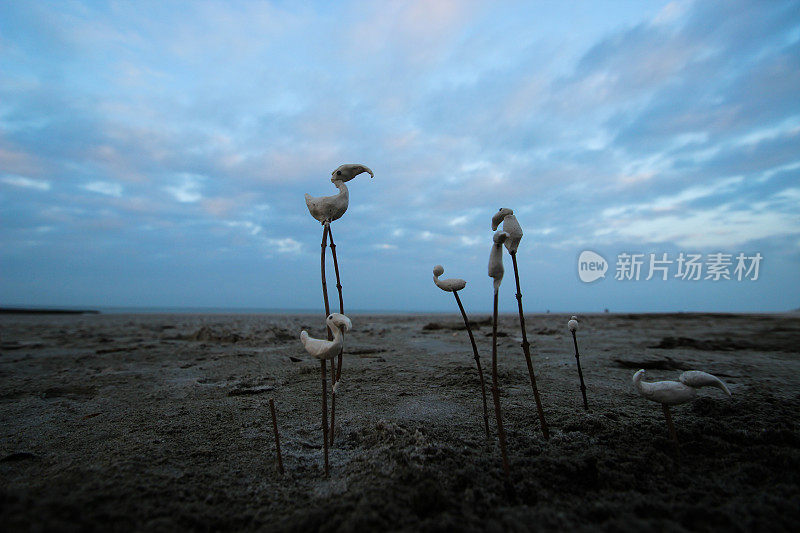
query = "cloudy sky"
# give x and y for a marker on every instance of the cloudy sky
(156, 154)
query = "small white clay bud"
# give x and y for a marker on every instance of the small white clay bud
(573, 323)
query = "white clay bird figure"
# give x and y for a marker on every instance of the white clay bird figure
(677, 392)
(330, 208)
(325, 349)
(447, 285)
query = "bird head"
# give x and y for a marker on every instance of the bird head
(500, 237)
(438, 270)
(638, 376)
(498, 217)
(339, 321)
(348, 172)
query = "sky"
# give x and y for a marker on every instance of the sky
(156, 154)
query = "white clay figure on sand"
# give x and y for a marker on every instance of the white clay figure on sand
(676, 392)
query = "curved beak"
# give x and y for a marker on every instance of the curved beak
(366, 169)
(343, 322)
(497, 219)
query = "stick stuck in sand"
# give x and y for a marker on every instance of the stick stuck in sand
(514, 230)
(454, 285)
(326, 350)
(277, 436)
(336, 371)
(573, 327)
(496, 272)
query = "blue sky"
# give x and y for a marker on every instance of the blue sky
(156, 154)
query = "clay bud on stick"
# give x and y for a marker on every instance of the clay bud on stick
(514, 231)
(496, 272)
(573, 328)
(454, 285)
(325, 350)
(669, 393)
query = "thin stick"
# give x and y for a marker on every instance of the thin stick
(277, 437)
(337, 374)
(580, 372)
(496, 395)
(324, 415)
(336, 269)
(477, 362)
(527, 351)
(326, 229)
(671, 427)
(333, 397)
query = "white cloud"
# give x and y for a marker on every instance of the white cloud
(104, 187)
(26, 183)
(187, 190)
(251, 227)
(285, 246)
(678, 200)
(722, 227)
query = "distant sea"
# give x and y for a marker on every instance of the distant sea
(198, 310)
(236, 311)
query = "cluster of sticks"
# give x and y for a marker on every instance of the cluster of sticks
(326, 209)
(510, 237)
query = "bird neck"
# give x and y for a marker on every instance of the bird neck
(637, 382)
(337, 334)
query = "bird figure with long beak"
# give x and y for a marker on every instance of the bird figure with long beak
(514, 231)
(330, 208)
(496, 272)
(454, 285)
(326, 209)
(327, 350)
(676, 392)
(572, 324)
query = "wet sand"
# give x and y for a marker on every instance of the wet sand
(161, 422)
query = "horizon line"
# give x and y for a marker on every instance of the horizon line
(121, 309)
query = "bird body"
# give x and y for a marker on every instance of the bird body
(330, 208)
(676, 392)
(448, 285)
(573, 324)
(325, 349)
(496, 269)
(510, 226)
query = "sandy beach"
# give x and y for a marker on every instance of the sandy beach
(161, 423)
